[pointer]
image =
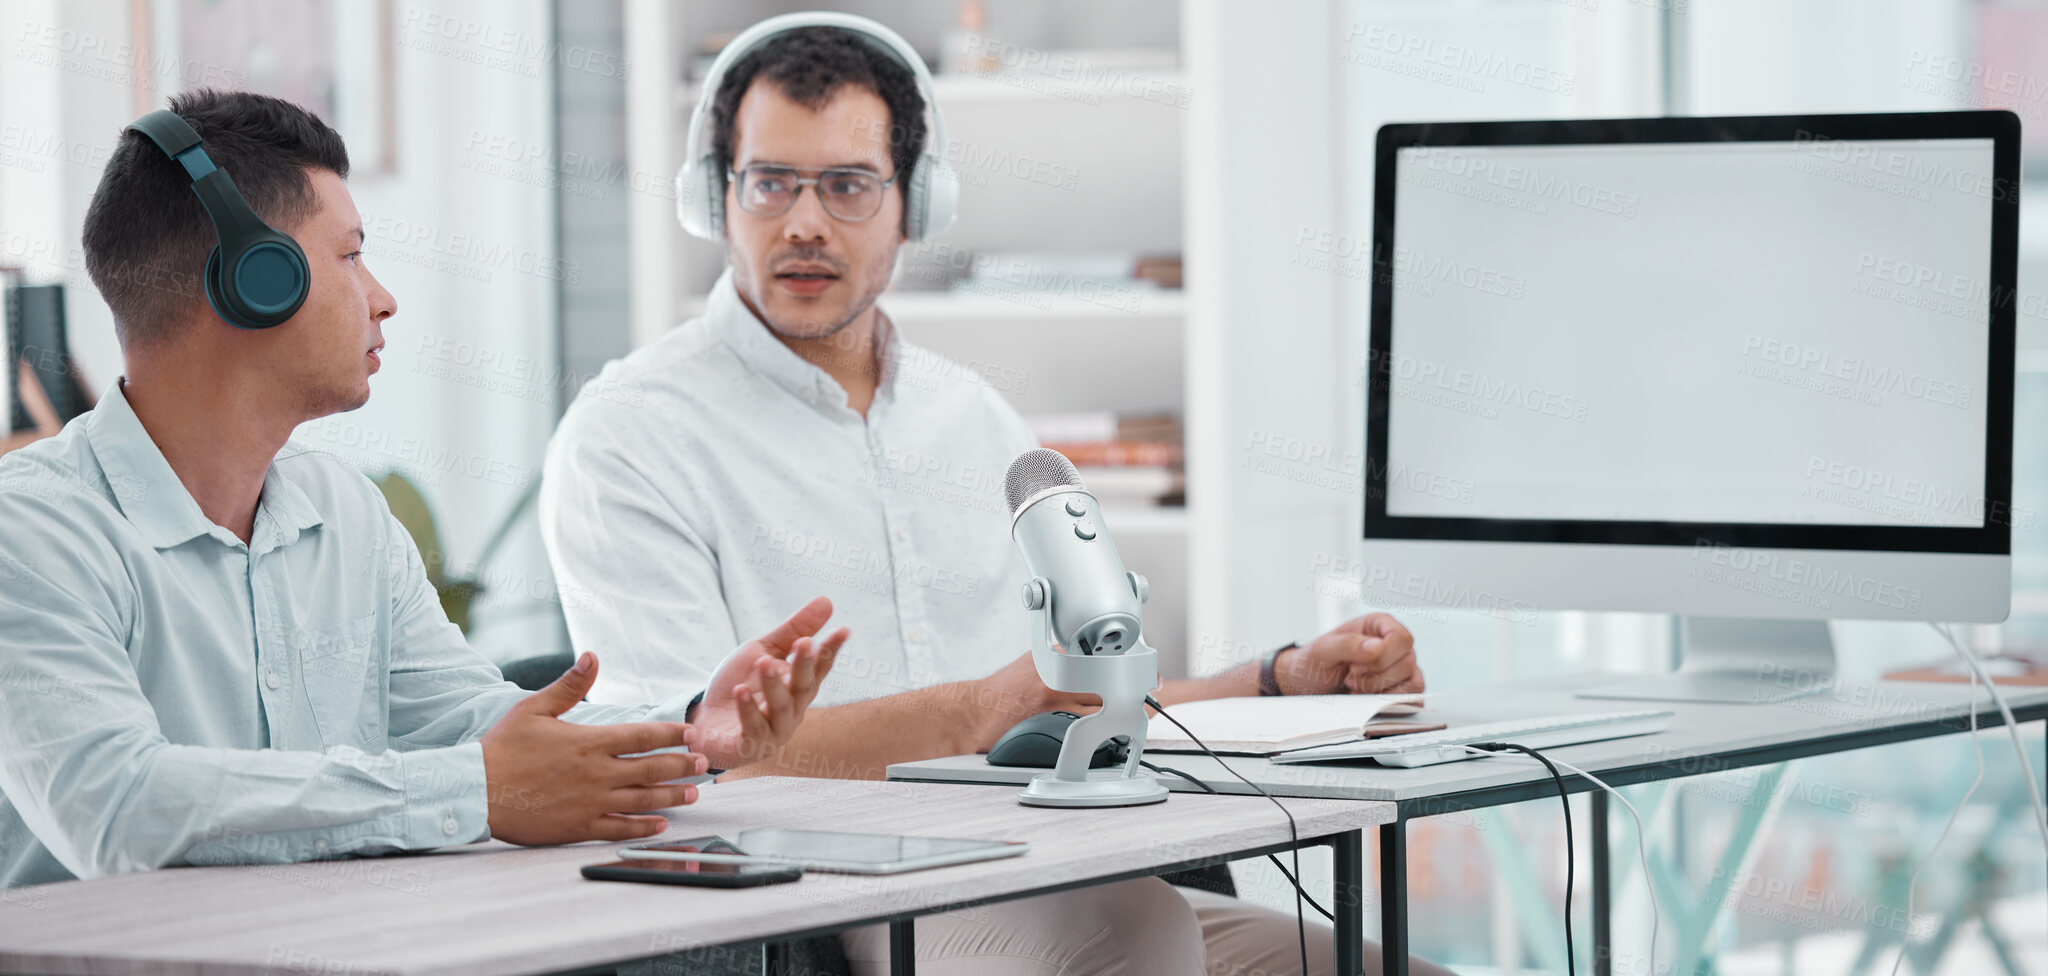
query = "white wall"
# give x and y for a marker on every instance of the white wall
(1288, 103)
(59, 118)
(1752, 57)
(1264, 335)
(461, 234)
(464, 235)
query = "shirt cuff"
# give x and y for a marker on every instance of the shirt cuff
(676, 709)
(446, 799)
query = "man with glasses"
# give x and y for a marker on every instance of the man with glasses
(790, 439)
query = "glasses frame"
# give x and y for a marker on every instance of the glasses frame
(824, 199)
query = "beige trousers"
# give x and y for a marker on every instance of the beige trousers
(1132, 928)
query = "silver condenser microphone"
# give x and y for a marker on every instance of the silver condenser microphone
(1058, 525)
(1081, 598)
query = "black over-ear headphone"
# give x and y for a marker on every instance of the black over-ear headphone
(256, 277)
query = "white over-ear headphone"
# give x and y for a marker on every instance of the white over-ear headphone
(931, 196)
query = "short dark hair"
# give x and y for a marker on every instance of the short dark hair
(147, 237)
(811, 64)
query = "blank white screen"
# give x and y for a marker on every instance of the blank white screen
(1778, 332)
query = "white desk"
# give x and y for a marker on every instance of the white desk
(494, 909)
(1702, 739)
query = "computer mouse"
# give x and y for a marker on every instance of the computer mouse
(1035, 742)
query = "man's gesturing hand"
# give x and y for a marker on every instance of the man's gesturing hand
(758, 698)
(1369, 655)
(556, 782)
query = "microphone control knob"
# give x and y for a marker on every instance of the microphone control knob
(1034, 595)
(1085, 528)
(1141, 586)
(1077, 507)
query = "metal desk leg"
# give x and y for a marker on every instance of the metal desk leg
(774, 958)
(1603, 894)
(903, 948)
(1394, 898)
(1347, 852)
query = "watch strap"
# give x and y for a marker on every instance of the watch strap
(1268, 684)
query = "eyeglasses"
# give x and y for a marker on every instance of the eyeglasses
(847, 194)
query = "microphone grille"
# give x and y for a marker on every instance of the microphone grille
(1035, 471)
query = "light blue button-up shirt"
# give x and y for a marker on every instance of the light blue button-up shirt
(169, 695)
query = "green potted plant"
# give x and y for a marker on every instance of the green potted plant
(458, 594)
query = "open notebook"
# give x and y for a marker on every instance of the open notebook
(1265, 726)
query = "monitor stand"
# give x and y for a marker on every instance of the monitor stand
(1738, 661)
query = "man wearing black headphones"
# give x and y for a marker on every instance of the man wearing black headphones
(217, 646)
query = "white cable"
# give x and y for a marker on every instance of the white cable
(2011, 727)
(1642, 844)
(1913, 883)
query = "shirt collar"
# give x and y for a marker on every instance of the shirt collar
(156, 502)
(739, 328)
(286, 505)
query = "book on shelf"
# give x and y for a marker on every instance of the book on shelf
(1125, 459)
(1118, 454)
(1130, 486)
(1073, 428)
(1104, 425)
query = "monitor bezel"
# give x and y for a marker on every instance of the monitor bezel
(1994, 537)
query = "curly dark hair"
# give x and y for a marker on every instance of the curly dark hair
(146, 236)
(811, 64)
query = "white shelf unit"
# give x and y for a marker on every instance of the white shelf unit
(1060, 169)
(1148, 521)
(1066, 357)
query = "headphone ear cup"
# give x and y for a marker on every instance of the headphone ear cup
(700, 199)
(917, 201)
(266, 287)
(714, 203)
(213, 292)
(936, 189)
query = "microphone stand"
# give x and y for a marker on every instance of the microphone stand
(1122, 681)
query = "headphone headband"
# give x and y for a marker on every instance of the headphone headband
(169, 131)
(257, 276)
(932, 192)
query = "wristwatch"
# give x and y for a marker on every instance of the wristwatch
(1268, 684)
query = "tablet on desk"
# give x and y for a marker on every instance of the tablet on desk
(825, 850)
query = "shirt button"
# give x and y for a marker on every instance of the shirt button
(271, 681)
(902, 536)
(320, 845)
(916, 634)
(450, 826)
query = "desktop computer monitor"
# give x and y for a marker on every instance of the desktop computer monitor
(1753, 371)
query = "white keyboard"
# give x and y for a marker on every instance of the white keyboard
(1442, 746)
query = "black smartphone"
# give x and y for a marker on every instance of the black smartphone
(709, 874)
(694, 873)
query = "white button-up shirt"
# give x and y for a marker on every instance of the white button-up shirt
(169, 695)
(708, 485)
